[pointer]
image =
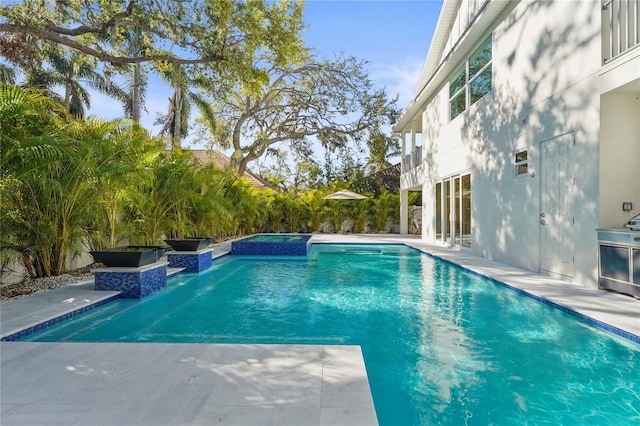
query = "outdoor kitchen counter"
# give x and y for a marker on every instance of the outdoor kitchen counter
(619, 260)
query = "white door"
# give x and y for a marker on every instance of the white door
(556, 206)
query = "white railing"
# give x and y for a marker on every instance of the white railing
(620, 27)
(412, 160)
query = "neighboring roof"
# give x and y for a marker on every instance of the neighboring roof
(206, 156)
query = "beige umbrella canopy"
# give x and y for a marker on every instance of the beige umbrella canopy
(344, 195)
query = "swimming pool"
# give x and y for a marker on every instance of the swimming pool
(441, 345)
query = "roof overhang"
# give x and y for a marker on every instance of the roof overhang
(436, 71)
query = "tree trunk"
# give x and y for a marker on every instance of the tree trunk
(135, 101)
(28, 265)
(67, 97)
(177, 117)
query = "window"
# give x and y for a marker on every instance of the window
(521, 162)
(472, 80)
(458, 93)
(453, 210)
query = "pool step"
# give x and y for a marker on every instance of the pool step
(174, 271)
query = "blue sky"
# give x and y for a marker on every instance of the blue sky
(393, 36)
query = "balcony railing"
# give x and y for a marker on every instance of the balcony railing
(620, 27)
(412, 160)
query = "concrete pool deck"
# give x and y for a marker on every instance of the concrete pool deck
(183, 384)
(155, 384)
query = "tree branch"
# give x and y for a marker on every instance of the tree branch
(84, 29)
(103, 56)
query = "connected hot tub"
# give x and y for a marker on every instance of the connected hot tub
(272, 245)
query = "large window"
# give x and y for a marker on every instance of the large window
(453, 210)
(472, 80)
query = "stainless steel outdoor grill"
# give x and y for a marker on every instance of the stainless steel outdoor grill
(634, 223)
(619, 258)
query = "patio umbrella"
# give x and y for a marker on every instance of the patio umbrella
(344, 194)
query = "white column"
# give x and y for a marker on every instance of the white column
(403, 148)
(413, 138)
(404, 211)
(413, 146)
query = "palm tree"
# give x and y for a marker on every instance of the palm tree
(49, 170)
(381, 147)
(176, 121)
(7, 74)
(208, 209)
(159, 205)
(29, 130)
(30, 142)
(74, 70)
(135, 46)
(71, 71)
(122, 153)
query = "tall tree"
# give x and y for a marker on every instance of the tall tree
(187, 93)
(188, 32)
(381, 146)
(72, 71)
(331, 101)
(50, 67)
(135, 45)
(7, 74)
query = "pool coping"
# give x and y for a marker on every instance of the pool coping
(27, 315)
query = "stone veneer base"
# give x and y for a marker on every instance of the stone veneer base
(132, 283)
(191, 261)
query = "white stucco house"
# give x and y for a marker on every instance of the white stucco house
(524, 133)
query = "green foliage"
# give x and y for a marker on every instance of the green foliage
(190, 32)
(70, 185)
(315, 208)
(33, 149)
(385, 180)
(381, 147)
(359, 214)
(385, 210)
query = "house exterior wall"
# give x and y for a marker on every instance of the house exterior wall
(619, 158)
(546, 62)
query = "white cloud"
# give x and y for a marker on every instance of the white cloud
(401, 78)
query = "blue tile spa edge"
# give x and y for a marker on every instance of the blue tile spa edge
(254, 246)
(48, 323)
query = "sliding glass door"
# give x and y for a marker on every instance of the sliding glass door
(465, 211)
(453, 210)
(439, 211)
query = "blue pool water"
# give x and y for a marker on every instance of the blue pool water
(274, 238)
(441, 345)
